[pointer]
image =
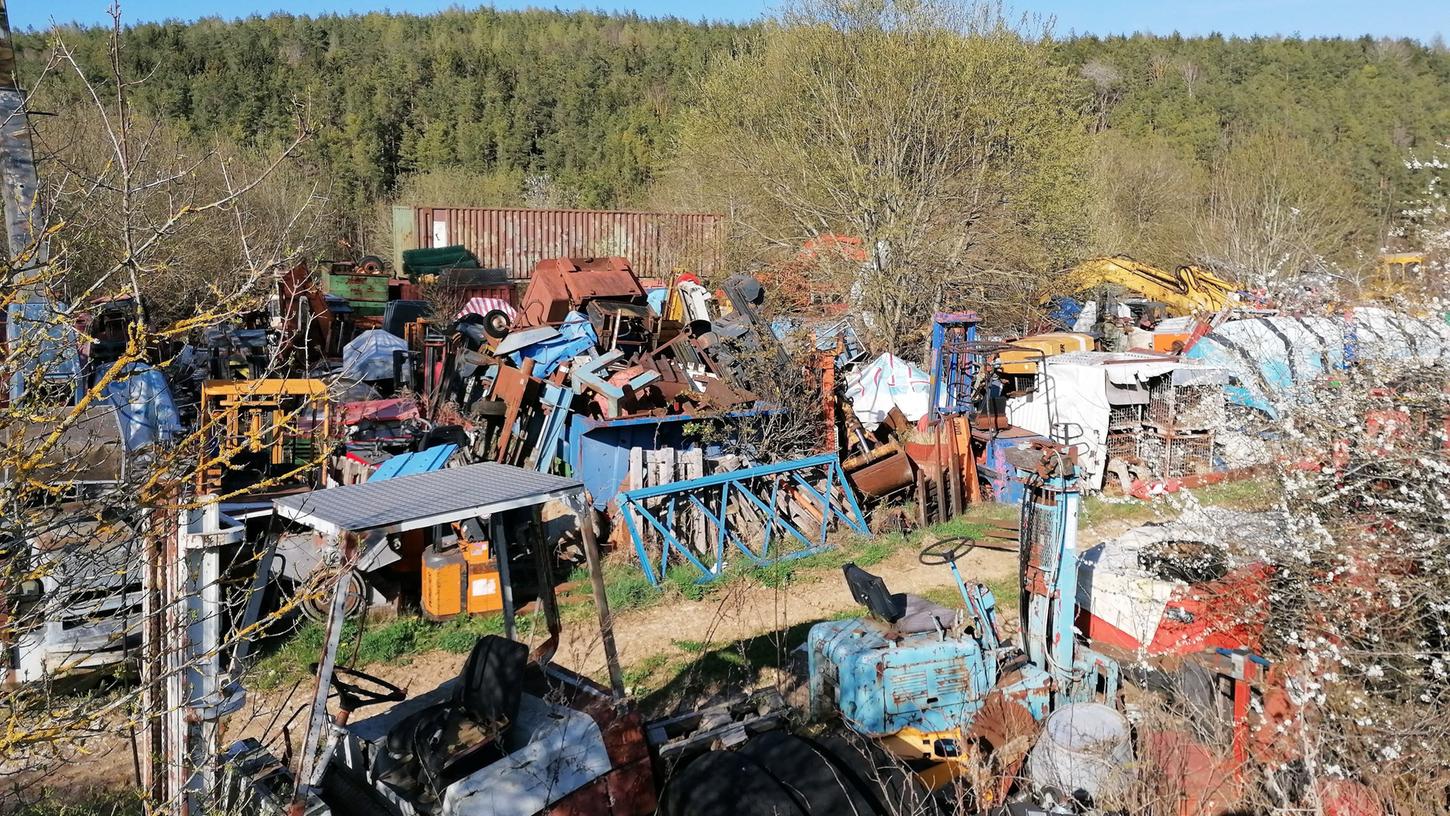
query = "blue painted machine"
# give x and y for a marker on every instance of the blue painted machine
(936, 683)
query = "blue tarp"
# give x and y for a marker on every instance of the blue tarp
(142, 399)
(408, 464)
(1064, 312)
(576, 336)
(369, 356)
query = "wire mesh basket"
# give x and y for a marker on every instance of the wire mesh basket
(1176, 454)
(1184, 407)
(1124, 444)
(1125, 417)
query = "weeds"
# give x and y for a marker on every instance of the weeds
(637, 677)
(386, 642)
(115, 803)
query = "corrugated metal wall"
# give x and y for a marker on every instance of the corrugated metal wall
(516, 239)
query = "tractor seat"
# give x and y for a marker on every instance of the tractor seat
(907, 614)
(437, 745)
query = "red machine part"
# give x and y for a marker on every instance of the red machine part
(628, 789)
(1187, 772)
(1228, 613)
(559, 285)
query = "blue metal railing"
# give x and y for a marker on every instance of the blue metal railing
(754, 490)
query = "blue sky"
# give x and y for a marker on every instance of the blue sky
(1421, 19)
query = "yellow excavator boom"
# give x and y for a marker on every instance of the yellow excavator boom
(1185, 290)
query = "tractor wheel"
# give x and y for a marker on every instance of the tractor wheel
(370, 264)
(892, 786)
(726, 783)
(314, 597)
(822, 787)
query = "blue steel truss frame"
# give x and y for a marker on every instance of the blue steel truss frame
(656, 508)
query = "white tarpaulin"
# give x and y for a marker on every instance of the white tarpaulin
(1382, 335)
(369, 356)
(1270, 358)
(888, 382)
(1074, 392)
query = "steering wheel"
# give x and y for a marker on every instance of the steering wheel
(362, 689)
(945, 551)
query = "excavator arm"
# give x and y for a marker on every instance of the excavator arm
(1185, 290)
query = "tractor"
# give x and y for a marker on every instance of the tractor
(935, 686)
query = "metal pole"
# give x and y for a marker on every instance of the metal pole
(583, 509)
(310, 767)
(498, 537)
(153, 697)
(543, 565)
(203, 695)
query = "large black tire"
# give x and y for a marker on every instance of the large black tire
(726, 783)
(497, 324)
(891, 785)
(822, 786)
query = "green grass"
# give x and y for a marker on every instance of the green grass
(640, 677)
(1244, 494)
(1004, 588)
(118, 803)
(1097, 511)
(385, 642)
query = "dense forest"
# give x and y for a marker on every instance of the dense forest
(584, 99)
(583, 109)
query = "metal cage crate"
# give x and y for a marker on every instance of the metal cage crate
(1184, 407)
(1174, 455)
(1125, 417)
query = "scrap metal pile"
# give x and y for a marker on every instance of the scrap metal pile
(633, 386)
(640, 388)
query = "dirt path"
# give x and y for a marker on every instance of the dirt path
(742, 611)
(739, 612)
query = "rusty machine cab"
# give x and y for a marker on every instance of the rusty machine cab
(511, 721)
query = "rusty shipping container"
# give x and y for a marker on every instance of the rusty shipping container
(516, 239)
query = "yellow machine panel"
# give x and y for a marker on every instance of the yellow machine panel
(461, 579)
(1051, 344)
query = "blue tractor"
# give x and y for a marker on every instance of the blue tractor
(938, 687)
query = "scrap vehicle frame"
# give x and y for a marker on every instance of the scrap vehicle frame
(614, 753)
